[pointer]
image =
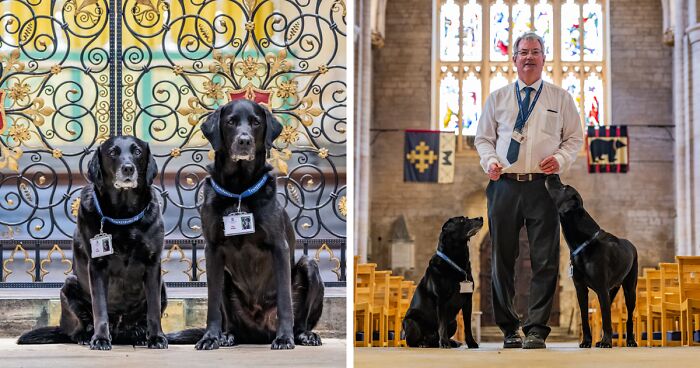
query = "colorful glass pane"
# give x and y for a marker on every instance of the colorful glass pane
(522, 19)
(570, 32)
(572, 84)
(593, 99)
(497, 81)
(449, 103)
(592, 31)
(449, 32)
(544, 21)
(471, 104)
(472, 32)
(500, 28)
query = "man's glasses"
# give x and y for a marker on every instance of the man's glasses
(535, 53)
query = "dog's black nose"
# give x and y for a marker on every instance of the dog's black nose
(244, 140)
(128, 169)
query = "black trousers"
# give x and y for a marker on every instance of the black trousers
(512, 204)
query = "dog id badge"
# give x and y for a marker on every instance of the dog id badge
(239, 223)
(101, 245)
(466, 286)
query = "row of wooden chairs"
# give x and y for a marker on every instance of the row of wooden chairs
(667, 311)
(381, 302)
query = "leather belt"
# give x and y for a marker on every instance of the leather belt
(524, 177)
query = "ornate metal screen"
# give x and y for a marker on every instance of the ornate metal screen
(75, 72)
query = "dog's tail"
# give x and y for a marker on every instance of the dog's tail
(44, 335)
(184, 337)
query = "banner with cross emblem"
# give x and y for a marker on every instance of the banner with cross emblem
(429, 156)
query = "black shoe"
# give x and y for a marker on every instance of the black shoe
(512, 340)
(533, 341)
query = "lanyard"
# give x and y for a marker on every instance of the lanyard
(525, 113)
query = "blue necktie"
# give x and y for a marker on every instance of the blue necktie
(514, 148)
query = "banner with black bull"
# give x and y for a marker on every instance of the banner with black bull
(608, 148)
(429, 156)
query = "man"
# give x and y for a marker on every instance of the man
(528, 129)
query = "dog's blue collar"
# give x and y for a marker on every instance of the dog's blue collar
(585, 244)
(247, 193)
(126, 221)
(451, 263)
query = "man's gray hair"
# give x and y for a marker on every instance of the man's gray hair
(528, 36)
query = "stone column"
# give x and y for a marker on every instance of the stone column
(692, 100)
(363, 110)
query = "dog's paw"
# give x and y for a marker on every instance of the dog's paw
(207, 342)
(603, 344)
(227, 339)
(631, 344)
(100, 343)
(449, 344)
(283, 343)
(308, 338)
(157, 342)
(472, 345)
(585, 345)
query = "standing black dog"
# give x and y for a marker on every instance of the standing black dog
(600, 261)
(116, 294)
(256, 295)
(430, 320)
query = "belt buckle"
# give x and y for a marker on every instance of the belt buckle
(527, 177)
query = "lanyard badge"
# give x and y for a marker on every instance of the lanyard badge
(101, 244)
(239, 223)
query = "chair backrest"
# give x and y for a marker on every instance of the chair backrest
(395, 292)
(381, 288)
(364, 282)
(689, 276)
(641, 294)
(653, 277)
(670, 289)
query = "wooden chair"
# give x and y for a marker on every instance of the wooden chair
(380, 309)
(408, 288)
(640, 311)
(689, 283)
(653, 277)
(595, 317)
(363, 298)
(670, 305)
(618, 316)
(394, 310)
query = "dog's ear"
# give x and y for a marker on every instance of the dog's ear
(95, 169)
(273, 128)
(152, 168)
(211, 129)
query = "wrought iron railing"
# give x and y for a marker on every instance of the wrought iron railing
(74, 72)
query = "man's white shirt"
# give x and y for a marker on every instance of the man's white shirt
(553, 128)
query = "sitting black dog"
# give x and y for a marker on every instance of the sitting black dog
(599, 260)
(446, 288)
(116, 294)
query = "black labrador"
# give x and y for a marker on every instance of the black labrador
(256, 294)
(443, 292)
(116, 294)
(599, 260)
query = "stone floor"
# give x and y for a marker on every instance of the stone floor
(331, 354)
(558, 354)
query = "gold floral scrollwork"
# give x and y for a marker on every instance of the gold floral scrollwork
(279, 159)
(201, 269)
(307, 112)
(74, 207)
(339, 6)
(47, 260)
(279, 62)
(10, 158)
(343, 206)
(193, 110)
(37, 111)
(11, 61)
(183, 259)
(333, 258)
(6, 272)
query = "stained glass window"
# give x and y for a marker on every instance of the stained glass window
(476, 40)
(500, 31)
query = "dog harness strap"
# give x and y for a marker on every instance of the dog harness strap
(585, 244)
(451, 263)
(126, 221)
(247, 193)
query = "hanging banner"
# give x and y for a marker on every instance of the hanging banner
(429, 156)
(608, 149)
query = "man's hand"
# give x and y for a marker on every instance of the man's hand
(495, 171)
(550, 165)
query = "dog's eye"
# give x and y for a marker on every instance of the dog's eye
(137, 152)
(114, 152)
(256, 122)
